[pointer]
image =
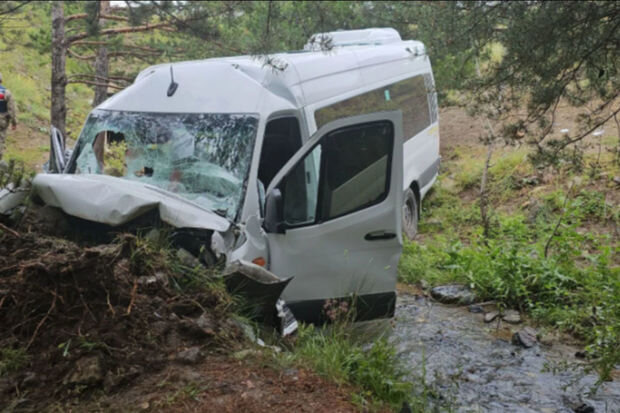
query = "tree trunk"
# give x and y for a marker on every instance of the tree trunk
(101, 63)
(58, 107)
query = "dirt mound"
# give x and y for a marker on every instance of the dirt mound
(95, 318)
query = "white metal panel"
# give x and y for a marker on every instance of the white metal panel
(375, 36)
(209, 87)
(333, 258)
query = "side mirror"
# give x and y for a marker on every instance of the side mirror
(274, 212)
(58, 159)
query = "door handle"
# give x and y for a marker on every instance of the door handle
(379, 235)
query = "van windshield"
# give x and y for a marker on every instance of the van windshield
(204, 158)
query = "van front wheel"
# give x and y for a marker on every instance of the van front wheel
(410, 214)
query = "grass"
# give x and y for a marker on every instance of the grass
(573, 287)
(374, 369)
(12, 360)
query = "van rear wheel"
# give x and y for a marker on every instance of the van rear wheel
(410, 214)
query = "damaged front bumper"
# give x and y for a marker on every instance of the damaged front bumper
(117, 202)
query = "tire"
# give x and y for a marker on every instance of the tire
(410, 215)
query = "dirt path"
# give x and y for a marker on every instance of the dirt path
(224, 384)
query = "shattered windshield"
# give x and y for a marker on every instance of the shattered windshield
(204, 158)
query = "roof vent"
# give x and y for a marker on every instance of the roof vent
(375, 36)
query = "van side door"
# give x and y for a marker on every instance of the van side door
(339, 236)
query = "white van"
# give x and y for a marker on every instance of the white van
(303, 166)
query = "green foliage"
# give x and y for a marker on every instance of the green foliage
(572, 289)
(12, 360)
(550, 53)
(333, 353)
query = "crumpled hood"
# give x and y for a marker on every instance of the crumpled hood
(115, 201)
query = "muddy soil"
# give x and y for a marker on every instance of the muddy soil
(474, 367)
(103, 328)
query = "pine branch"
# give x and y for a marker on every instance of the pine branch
(100, 78)
(80, 16)
(92, 83)
(15, 8)
(122, 30)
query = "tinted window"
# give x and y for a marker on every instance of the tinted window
(282, 139)
(413, 96)
(353, 164)
(356, 168)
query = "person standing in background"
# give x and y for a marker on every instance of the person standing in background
(8, 114)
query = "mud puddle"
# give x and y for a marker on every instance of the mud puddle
(474, 367)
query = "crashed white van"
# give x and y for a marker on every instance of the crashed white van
(303, 166)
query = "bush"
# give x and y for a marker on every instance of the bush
(571, 289)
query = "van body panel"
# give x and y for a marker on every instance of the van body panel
(114, 201)
(339, 257)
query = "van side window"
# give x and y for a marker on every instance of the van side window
(357, 168)
(282, 140)
(415, 97)
(353, 164)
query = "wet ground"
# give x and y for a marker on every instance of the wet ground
(474, 367)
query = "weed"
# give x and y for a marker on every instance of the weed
(12, 360)
(333, 353)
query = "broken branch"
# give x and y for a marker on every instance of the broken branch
(102, 16)
(121, 30)
(88, 82)
(9, 230)
(36, 330)
(133, 297)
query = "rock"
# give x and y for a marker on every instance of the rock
(200, 328)
(153, 236)
(584, 408)
(87, 371)
(525, 337)
(617, 180)
(490, 316)
(424, 285)
(476, 309)
(453, 294)
(153, 280)
(512, 317)
(187, 259)
(190, 356)
(243, 354)
(206, 323)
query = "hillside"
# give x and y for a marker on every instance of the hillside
(26, 72)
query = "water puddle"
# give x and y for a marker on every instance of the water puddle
(475, 367)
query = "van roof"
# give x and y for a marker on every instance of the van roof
(246, 84)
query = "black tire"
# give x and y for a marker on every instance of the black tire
(410, 214)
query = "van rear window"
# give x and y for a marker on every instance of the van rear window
(415, 97)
